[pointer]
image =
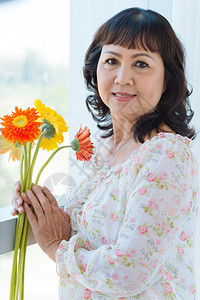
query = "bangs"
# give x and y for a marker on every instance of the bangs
(140, 30)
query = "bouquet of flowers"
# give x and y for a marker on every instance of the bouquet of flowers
(22, 132)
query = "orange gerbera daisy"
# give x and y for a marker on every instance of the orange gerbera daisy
(21, 126)
(82, 144)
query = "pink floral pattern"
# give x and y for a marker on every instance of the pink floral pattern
(134, 227)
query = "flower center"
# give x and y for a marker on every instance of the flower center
(51, 132)
(20, 121)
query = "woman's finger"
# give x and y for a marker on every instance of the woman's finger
(17, 186)
(16, 189)
(17, 200)
(49, 196)
(31, 217)
(39, 213)
(39, 186)
(46, 206)
(65, 215)
(38, 210)
(25, 198)
(14, 212)
(17, 203)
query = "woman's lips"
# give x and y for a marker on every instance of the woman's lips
(123, 97)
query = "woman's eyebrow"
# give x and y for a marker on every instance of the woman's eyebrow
(132, 56)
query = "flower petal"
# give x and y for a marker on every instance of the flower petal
(49, 116)
(15, 151)
(21, 126)
(86, 146)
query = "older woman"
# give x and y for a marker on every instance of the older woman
(134, 216)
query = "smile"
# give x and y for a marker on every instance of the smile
(122, 97)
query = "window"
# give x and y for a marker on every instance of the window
(33, 65)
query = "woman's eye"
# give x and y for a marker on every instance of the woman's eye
(111, 61)
(141, 64)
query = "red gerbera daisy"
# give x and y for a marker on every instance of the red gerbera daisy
(21, 126)
(83, 145)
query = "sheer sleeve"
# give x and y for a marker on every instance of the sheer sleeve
(160, 198)
(73, 199)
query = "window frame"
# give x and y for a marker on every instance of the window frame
(7, 231)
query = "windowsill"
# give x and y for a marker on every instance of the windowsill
(8, 226)
(5, 214)
(7, 231)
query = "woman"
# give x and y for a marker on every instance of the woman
(134, 216)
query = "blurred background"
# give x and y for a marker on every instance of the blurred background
(34, 38)
(34, 56)
(43, 43)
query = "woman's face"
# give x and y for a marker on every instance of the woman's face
(130, 81)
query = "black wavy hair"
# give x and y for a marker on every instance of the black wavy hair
(146, 29)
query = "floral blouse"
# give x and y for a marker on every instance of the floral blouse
(134, 227)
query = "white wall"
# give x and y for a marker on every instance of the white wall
(186, 22)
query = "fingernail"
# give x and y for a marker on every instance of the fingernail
(19, 201)
(20, 209)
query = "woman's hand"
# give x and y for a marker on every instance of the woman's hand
(50, 224)
(17, 200)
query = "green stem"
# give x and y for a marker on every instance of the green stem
(29, 155)
(28, 184)
(30, 172)
(48, 160)
(23, 230)
(18, 232)
(18, 235)
(21, 258)
(28, 162)
(25, 164)
(21, 172)
(21, 235)
(21, 289)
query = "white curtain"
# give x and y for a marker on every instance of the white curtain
(186, 22)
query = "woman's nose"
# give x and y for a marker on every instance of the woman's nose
(124, 76)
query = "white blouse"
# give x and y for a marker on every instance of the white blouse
(134, 227)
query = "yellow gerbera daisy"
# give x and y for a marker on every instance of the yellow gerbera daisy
(54, 124)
